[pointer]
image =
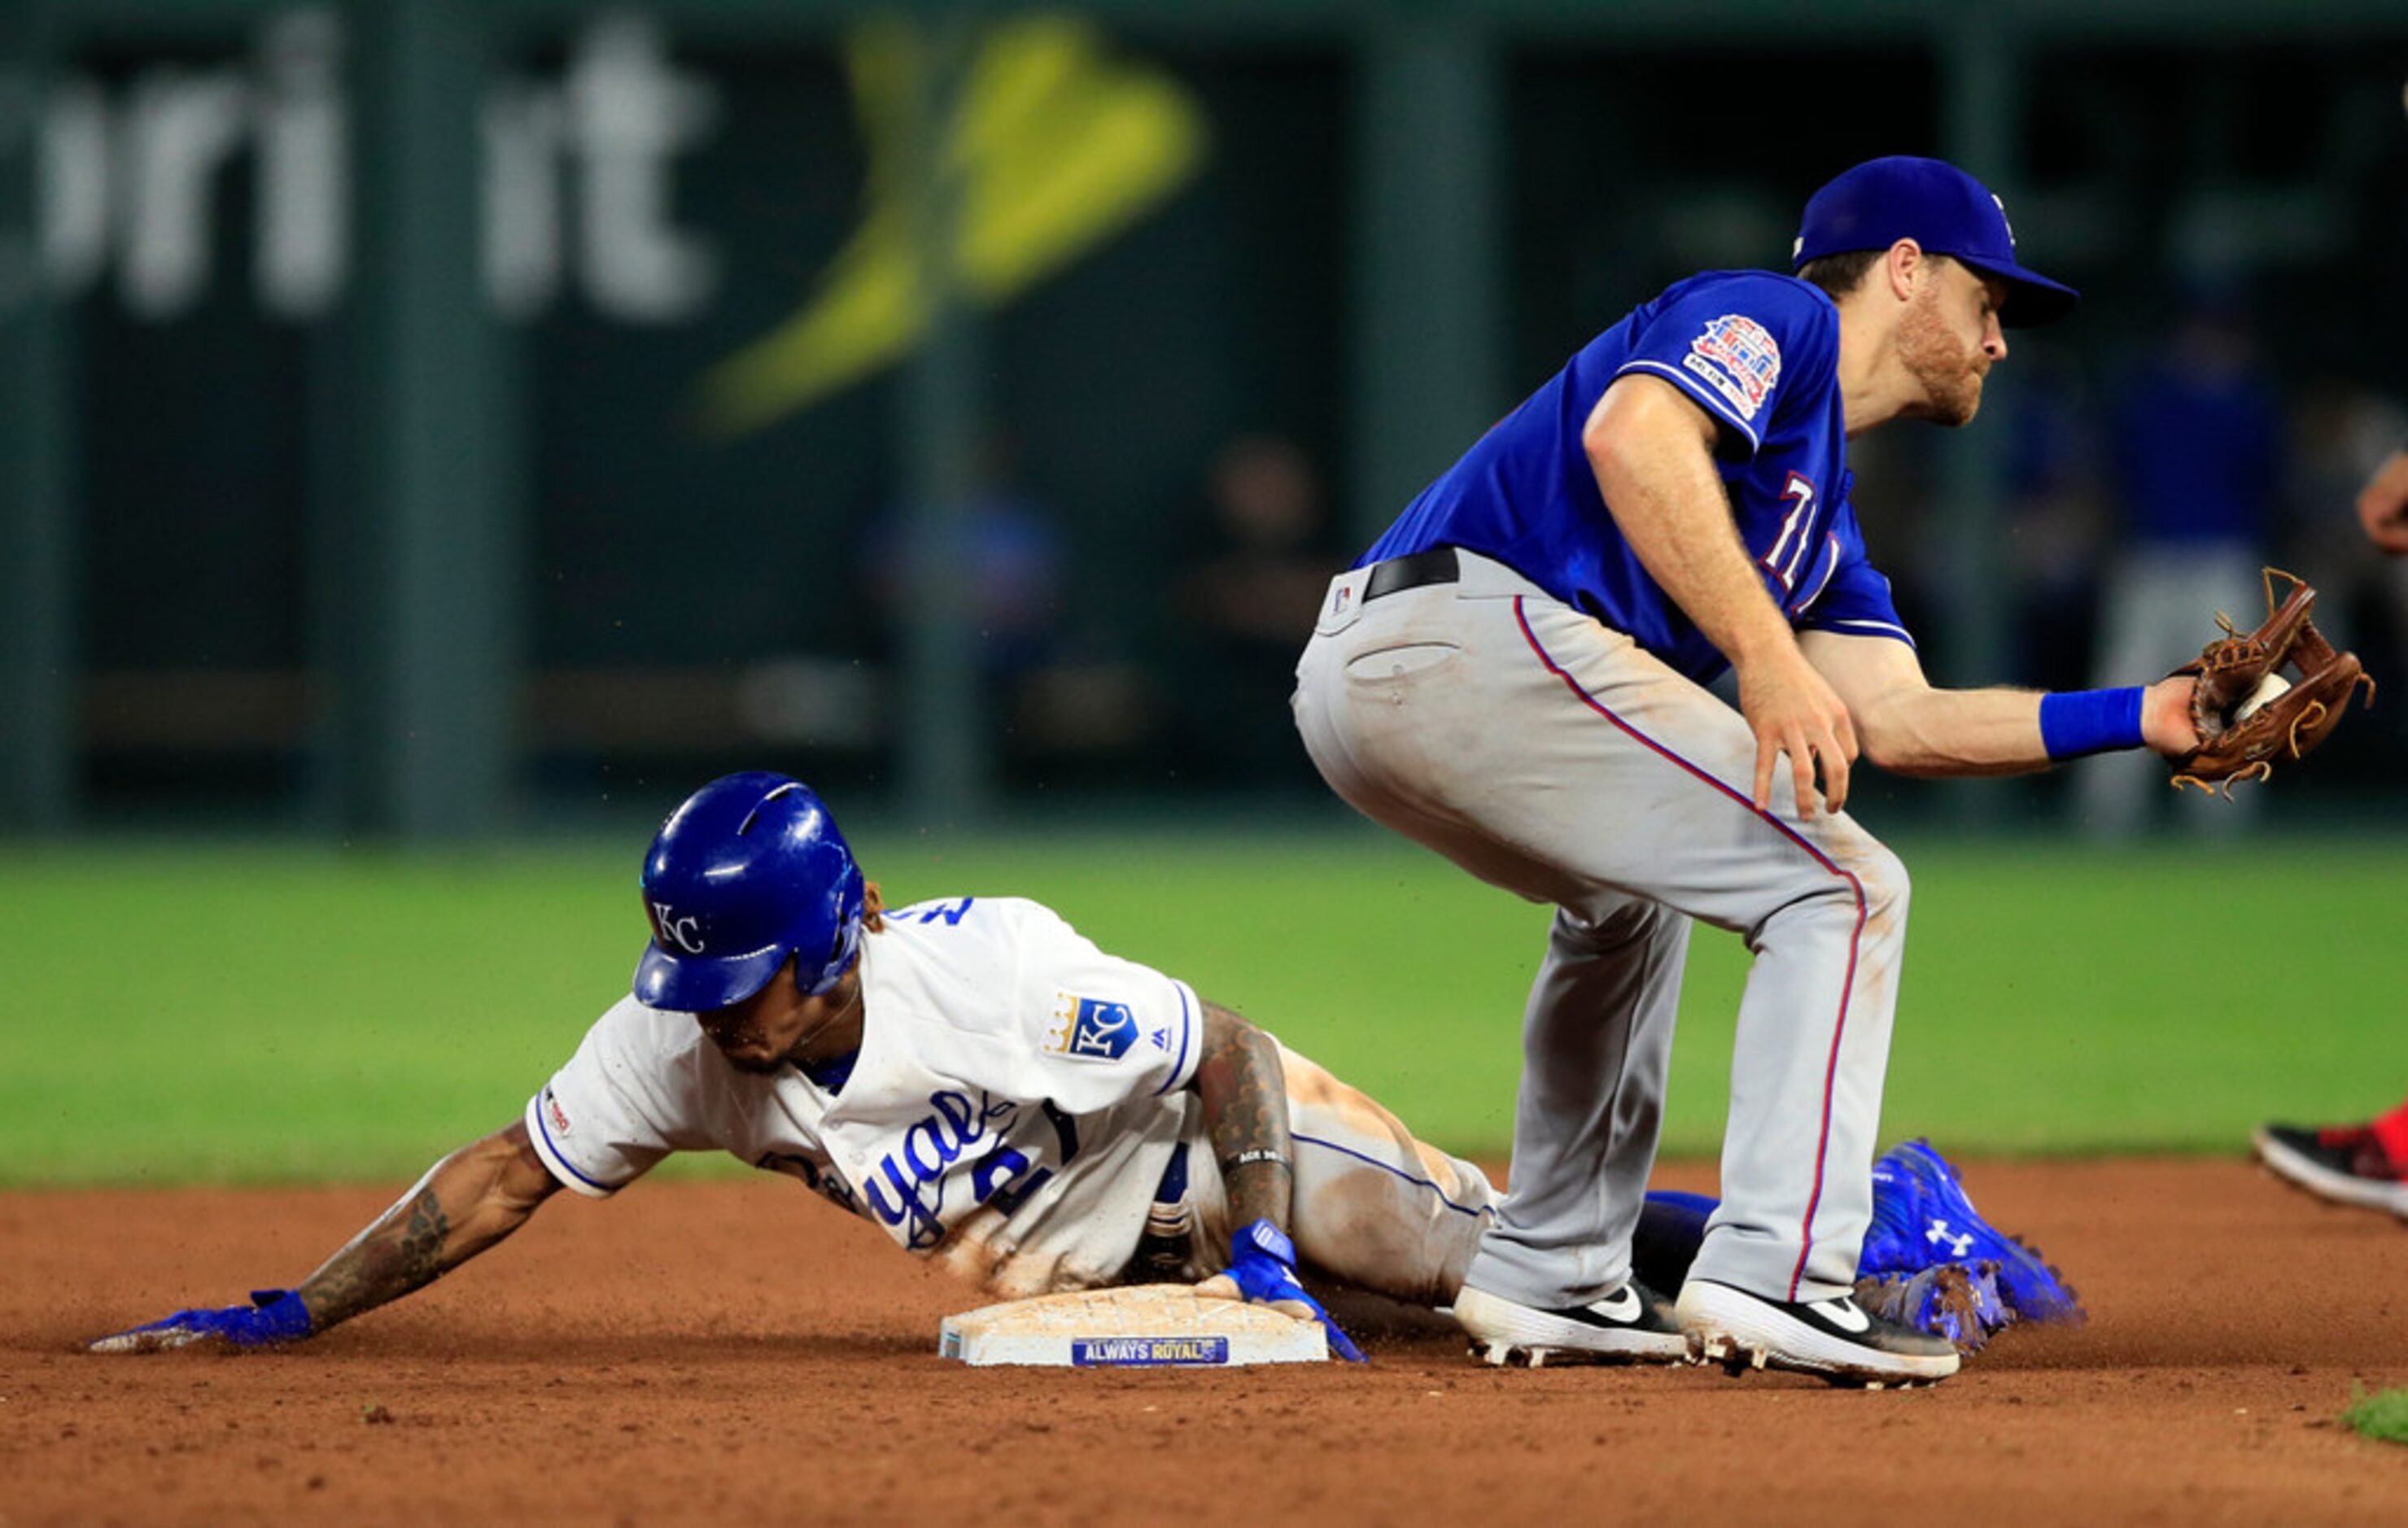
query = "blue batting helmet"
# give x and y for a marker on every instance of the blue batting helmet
(750, 870)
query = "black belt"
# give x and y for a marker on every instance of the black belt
(1436, 565)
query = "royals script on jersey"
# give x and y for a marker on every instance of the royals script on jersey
(1016, 1098)
(1759, 353)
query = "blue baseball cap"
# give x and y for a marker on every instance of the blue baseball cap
(1940, 207)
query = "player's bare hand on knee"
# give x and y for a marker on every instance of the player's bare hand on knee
(1795, 712)
(2166, 724)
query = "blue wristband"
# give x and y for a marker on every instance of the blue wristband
(2073, 722)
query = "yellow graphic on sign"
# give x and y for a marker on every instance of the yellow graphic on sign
(1054, 147)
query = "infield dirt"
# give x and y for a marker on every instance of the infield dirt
(739, 1351)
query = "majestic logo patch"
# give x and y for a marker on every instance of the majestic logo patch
(558, 1116)
(1738, 359)
(1091, 1029)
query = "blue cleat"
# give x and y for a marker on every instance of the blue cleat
(1894, 1243)
(1922, 1216)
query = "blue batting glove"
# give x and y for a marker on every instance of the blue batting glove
(1263, 1265)
(272, 1316)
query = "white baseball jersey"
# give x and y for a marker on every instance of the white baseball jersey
(1017, 1096)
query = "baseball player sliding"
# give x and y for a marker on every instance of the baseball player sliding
(1513, 675)
(997, 1095)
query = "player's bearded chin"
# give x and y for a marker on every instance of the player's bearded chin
(1936, 358)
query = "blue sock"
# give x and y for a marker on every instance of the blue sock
(1672, 1224)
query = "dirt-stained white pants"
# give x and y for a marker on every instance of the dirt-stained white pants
(1372, 1206)
(1549, 755)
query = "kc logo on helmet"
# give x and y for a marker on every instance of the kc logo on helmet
(686, 932)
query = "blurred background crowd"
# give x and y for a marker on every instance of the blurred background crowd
(424, 419)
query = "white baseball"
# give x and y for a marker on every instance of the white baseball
(2268, 688)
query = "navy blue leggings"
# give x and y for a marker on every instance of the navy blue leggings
(1671, 1226)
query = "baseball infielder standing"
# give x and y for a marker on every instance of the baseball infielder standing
(1514, 675)
(1003, 1098)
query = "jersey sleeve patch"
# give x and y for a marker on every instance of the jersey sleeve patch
(549, 1128)
(1093, 1029)
(1739, 359)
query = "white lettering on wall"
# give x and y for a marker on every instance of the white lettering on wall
(629, 116)
(305, 193)
(179, 130)
(577, 181)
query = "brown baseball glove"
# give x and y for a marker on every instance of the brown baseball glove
(2249, 716)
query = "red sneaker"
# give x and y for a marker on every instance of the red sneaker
(2342, 1163)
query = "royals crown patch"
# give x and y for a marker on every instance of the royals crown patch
(1091, 1029)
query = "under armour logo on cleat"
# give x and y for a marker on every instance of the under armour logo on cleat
(1938, 1237)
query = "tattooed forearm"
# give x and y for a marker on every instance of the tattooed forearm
(1245, 1107)
(401, 1252)
(465, 1203)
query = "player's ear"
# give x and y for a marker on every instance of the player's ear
(1905, 266)
(873, 901)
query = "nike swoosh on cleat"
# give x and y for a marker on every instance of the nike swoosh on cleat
(1621, 1307)
(1843, 1313)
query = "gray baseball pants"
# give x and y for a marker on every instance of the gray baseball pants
(1547, 755)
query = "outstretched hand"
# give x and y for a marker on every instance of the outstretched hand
(1263, 1272)
(1793, 710)
(273, 1316)
(2166, 724)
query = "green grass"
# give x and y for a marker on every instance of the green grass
(281, 1013)
(2383, 1416)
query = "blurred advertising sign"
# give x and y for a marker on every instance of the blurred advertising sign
(1058, 145)
(578, 179)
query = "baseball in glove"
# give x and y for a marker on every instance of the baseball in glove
(2248, 715)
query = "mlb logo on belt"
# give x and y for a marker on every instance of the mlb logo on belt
(1091, 1029)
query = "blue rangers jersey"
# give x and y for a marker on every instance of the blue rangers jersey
(1759, 353)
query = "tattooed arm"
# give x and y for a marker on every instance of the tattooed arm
(1245, 1109)
(465, 1203)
